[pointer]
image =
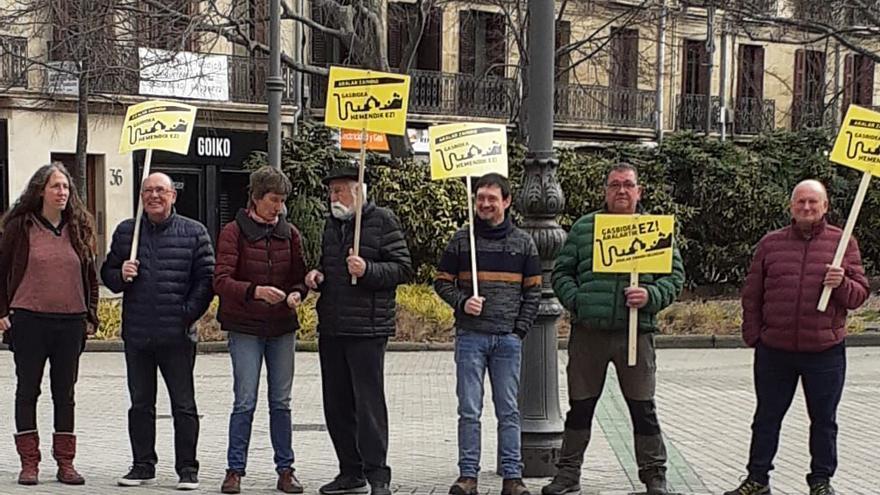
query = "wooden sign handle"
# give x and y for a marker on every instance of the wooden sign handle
(470, 206)
(845, 237)
(633, 325)
(359, 199)
(136, 238)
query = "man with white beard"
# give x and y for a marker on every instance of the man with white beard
(355, 320)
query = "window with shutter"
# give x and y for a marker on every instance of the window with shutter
(403, 29)
(863, 90)
(467, 63)
(563, 62)
(624, 58)
(693, 80)
(166, 29)
(431, 47)
(750, 80)
(259, 11)
(496, 43)
(397, 22)
(848, 83)
(320, 42)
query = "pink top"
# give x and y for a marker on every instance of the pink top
(52, 282)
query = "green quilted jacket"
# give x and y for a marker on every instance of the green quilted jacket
(596, 300)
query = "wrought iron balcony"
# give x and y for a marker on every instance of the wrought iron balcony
(690, 112)
(605, 106)
(754, 115)
(443, 93)
(13, 62)
(810, 114)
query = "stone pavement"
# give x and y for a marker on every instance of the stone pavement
(705, 402)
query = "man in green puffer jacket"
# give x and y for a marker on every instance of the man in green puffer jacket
(599, 305)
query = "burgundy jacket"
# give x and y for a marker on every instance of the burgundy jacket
(783, 286)
(251, 254)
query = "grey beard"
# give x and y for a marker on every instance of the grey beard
(340, 212)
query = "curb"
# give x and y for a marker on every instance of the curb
(866, 339)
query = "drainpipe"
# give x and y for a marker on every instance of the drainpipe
(722, 86)
(661, 63)
(710, 55)
(298, 79)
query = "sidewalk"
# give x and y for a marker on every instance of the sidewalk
(705, 402)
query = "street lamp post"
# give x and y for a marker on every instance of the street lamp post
(540, 200)
(274, 83)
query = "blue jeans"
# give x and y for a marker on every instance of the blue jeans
(247, 353)
(501, 354)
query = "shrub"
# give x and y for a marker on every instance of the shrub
(422, 316)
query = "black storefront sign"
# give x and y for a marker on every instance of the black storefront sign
(210, 179)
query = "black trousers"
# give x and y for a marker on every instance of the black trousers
(36, 339)
(353, 380)
(176, 363)
(776, 377)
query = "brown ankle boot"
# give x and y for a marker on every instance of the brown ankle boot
(287, 482)
(64, 450)
(514, 486)
(464, 485)
(27, 443)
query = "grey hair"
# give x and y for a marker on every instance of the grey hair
(813, 184)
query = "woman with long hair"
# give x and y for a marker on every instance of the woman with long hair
(48, 303)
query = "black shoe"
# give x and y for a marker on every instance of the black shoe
(560, 486)
(344, 484)
(138, 475)
(822, 488)
(656, 485)
(750, 487)
(379, 488)
(189, 480)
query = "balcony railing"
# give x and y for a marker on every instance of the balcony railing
(13, 62)
(606, 106)
(119, 73)
(443, 93)
(754, 115)
(690, 112)
(810, 114)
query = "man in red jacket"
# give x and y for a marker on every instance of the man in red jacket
(793, 340)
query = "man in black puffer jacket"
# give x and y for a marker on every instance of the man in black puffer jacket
(354, 323)
(164, 291)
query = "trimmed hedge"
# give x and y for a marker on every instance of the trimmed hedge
(725, 196)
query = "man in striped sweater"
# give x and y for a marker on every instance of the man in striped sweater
(490, 328)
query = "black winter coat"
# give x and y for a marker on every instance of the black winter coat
(367, 309)
(173, 286)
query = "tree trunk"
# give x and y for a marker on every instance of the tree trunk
(82, 130)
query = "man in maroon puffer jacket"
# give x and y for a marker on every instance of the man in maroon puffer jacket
(793, 340)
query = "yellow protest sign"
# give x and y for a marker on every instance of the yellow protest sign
(858, 142)
(633, 243)
(364, 99)
(461, 150)
(159, 125)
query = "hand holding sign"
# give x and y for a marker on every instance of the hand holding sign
(857, 146)
(465, 150)
(150, 125)
(369, 101)
(633, 244)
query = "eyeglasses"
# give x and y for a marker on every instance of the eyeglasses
(615, 186)
(161, 191)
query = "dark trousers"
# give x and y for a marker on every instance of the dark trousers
(36, 339)
(176, 363)
(776, 377)
(589, 353)
(353, 380)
